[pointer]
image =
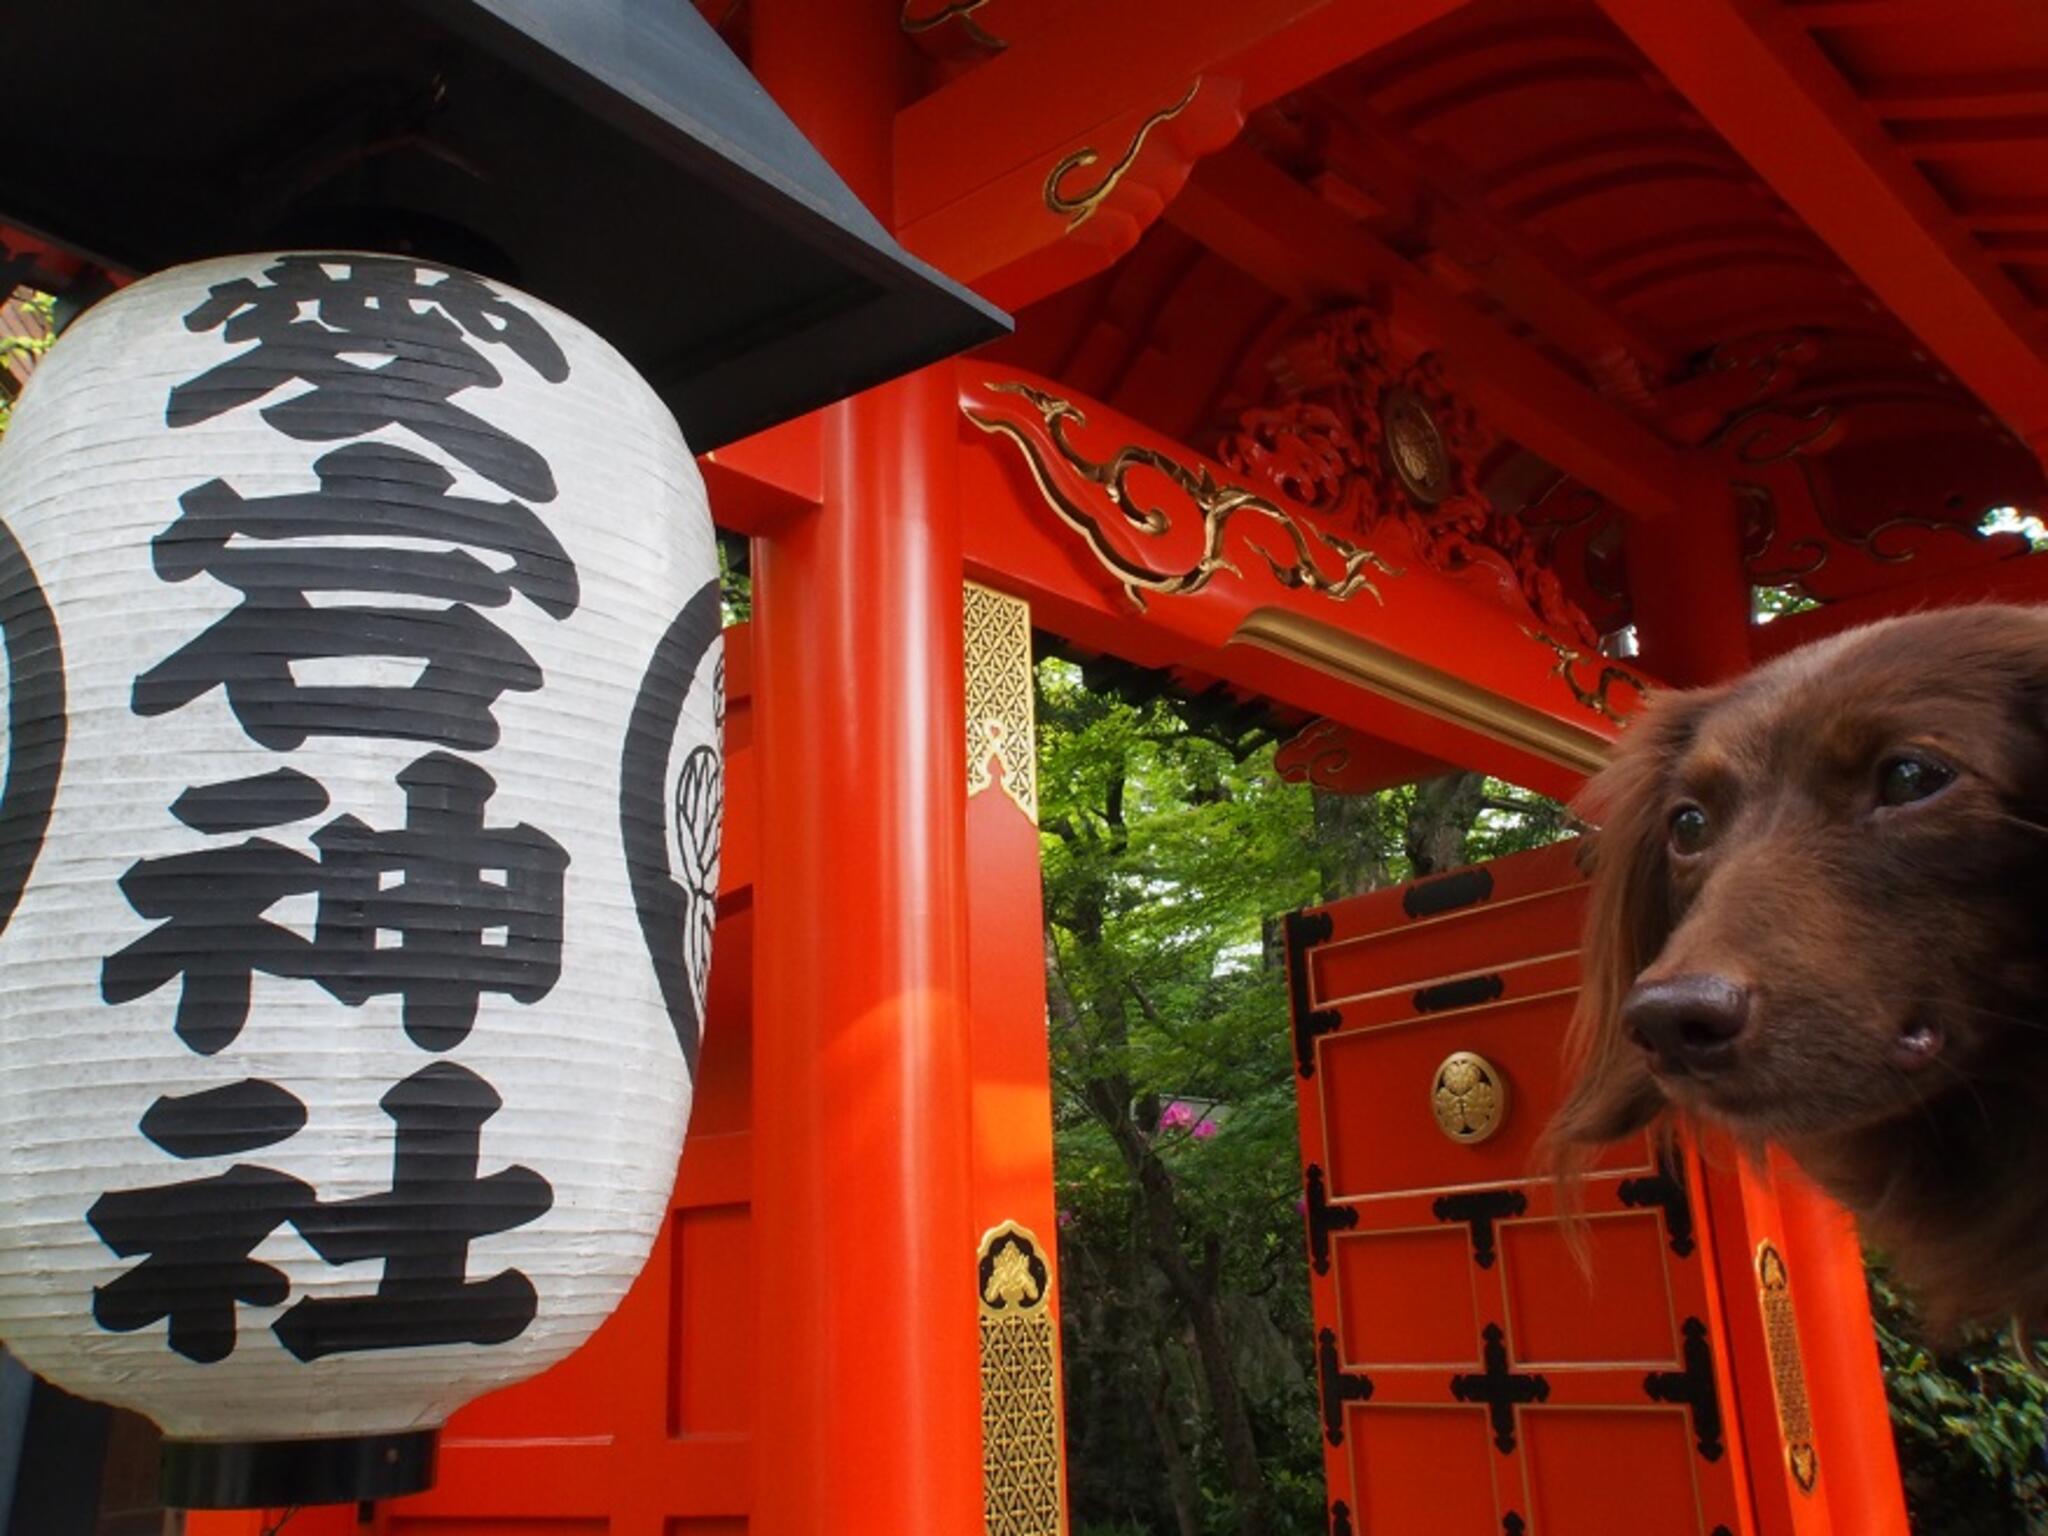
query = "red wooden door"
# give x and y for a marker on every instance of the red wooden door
(1475, 1380)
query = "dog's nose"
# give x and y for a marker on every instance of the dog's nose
(1690, 1022)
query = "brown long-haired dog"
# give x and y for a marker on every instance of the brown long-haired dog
(1820, 918)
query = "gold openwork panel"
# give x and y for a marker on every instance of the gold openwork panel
(1023, 1485)
(1788, 1372)
(1000, 717)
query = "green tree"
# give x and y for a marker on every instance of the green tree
(1970, 1421)
(1171, 846)
(29, 338)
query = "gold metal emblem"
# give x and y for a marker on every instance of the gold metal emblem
(1469, 1096)
(1788, 1372)
(1000, 712)
(1023, 1475)
(1415, 446)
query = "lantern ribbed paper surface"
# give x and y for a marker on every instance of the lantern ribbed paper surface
(358, 846)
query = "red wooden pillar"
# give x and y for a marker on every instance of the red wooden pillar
(1837, 1336)
(867, 1400)
(1013, 1202)
(867, 1410)
(1821, 1383)
(1691, 594)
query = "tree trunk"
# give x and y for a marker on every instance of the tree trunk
(1440, 821)
(1350, 844)
(1182, 1486)
(1159, 1221)
(1109, 1094)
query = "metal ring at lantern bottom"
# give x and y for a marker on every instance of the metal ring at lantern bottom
(257, 1474)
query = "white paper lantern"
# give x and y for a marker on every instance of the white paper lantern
(357, 856)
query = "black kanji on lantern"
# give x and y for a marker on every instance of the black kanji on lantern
(438, 911)
(472, 909)
(280, 553)
(421, 1229)
(1501, 1389)
(195, 1240)
(212, 933)
(224, 1121)
(383, 342)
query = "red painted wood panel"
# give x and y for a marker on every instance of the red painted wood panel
(1476, 1378)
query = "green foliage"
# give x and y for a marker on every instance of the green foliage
(735, 580)
(1166, 852)
(2014, 520)
(1768, 603)
(1971, 1424)
(42, 309)
(1169, 852)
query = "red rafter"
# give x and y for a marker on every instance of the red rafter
(1752, 71)
(1252, 213)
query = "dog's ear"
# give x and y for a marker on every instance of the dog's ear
(1612, 1094)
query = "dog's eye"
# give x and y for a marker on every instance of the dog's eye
(1902, 780)
(1689, 829)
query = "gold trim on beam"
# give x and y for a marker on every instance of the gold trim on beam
(1070, 481)
(1081, 208)
(1386, 672)
(961, 11)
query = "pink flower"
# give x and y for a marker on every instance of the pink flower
(1204, 1131)
(1178, 1117)
(1066, 1217)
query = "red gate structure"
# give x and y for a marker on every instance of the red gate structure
(1474, 1376)
(1447, 374)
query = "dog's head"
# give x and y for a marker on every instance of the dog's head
(1820, 895)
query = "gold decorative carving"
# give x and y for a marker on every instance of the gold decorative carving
(1469, 1097)
(1023, 1468)
(1788, 1373)
(1378, 439)
(1054, 460)
(916, 22)
(1596, 697)
(1001, 728)
(1079, 208)
(1354, 659)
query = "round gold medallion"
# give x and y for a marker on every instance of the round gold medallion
(1469, 1097)
(1415, 447)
